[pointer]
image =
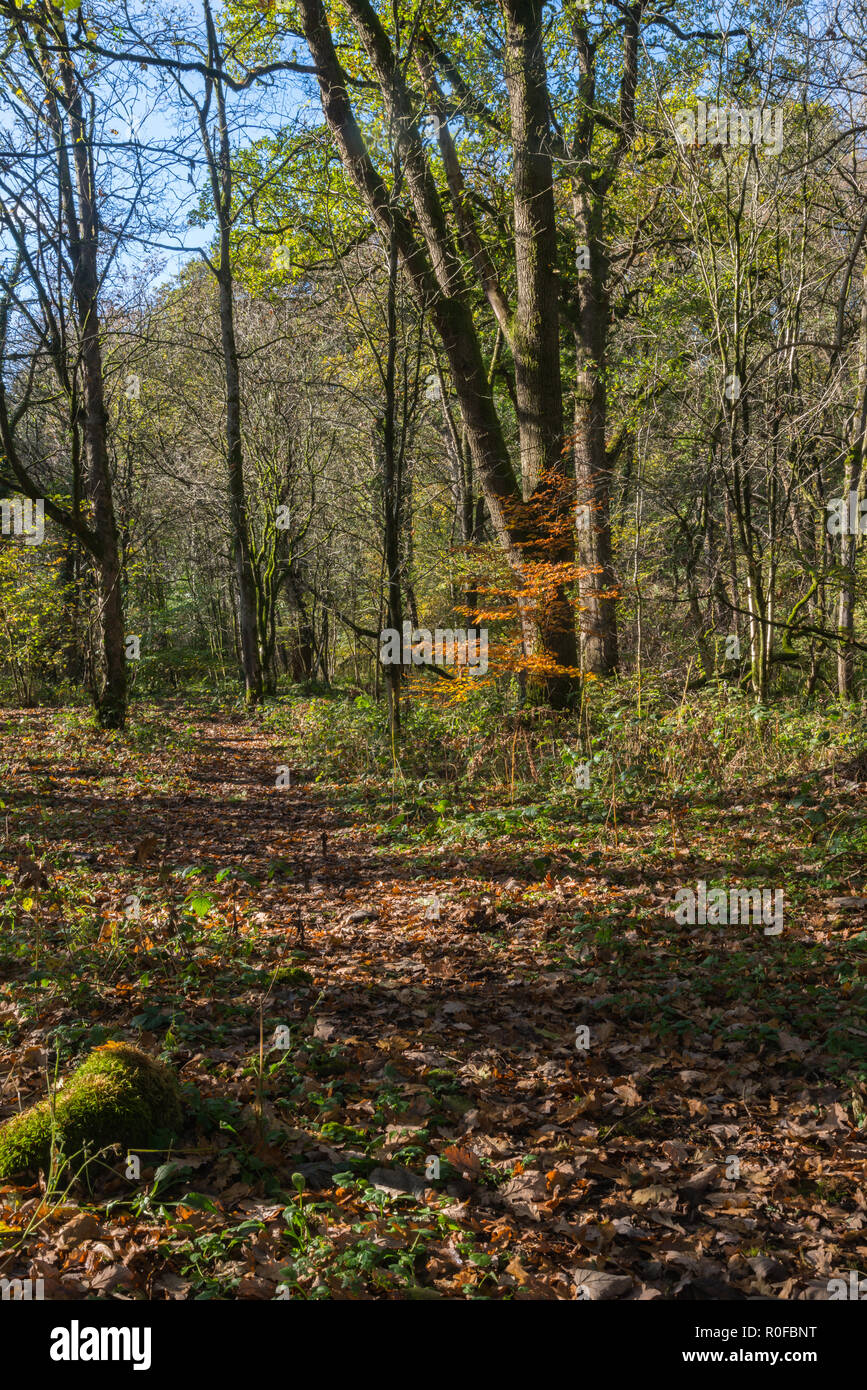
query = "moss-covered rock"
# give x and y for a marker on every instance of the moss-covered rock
(119, 1095)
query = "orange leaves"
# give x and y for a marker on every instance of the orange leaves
(462, 1157)
(146, 849)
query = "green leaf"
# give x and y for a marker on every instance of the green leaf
(200, 904)
(167, 1172)
(197, 1200)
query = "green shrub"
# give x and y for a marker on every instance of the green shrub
(119, 1095)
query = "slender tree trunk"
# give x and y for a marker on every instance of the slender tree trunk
(246, 587)
(391, 488)
(220, 171)
(590, 314)
(83, 231)
(592, 469)
(848, 541)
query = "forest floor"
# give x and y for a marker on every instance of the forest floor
(388, 1089)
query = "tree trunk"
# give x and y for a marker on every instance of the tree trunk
(592, 471)
(83, 232)
(391, 490)
(220, 170)
(848, 541)
(534, 533)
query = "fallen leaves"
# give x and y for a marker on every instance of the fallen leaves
(80, 1228)
(146, 849)
(446, 1036)
(595, 1284)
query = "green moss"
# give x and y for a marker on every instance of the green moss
(119, 1095)
(293, 975)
